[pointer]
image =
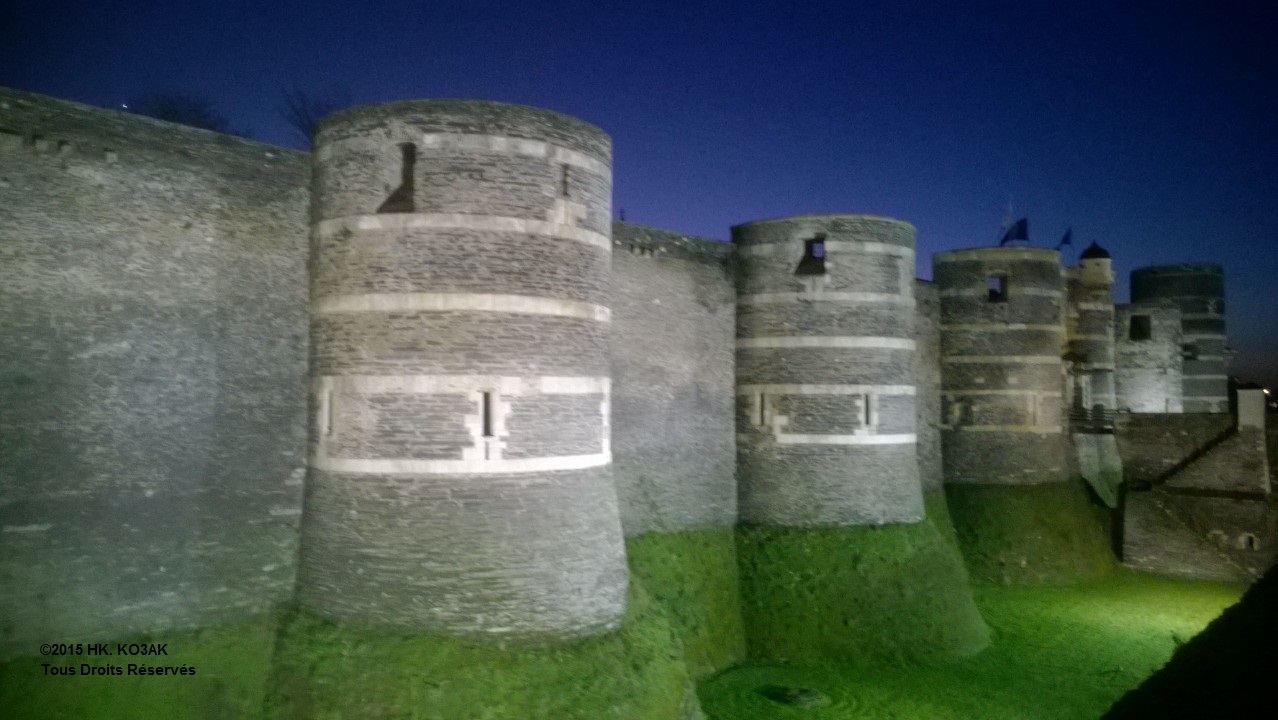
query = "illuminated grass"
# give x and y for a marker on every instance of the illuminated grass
(1017, 534)
(692, 577)
(232, 665)
(895, 594)
(1058, 652)
(342, 673)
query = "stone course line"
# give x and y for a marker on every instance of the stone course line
(463, 221)
(820, 341)
(781, 298)
(831, 246)
(832, 389)
(460, 467)
(443, 302)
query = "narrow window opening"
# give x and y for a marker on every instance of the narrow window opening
(401, 199)
(813, 262)
(326, 412)
(996, 287)
(867, 418)
(563, 182)
(1140, 329)
(487, 410)
(763, 410)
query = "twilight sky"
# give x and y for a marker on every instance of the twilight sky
(1150, 127)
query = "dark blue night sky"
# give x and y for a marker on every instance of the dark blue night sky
(1148, 127)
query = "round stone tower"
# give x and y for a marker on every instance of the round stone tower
(1002, 323)
(1090, 334)
(825, 384)
(460, 471)
(1199, 291)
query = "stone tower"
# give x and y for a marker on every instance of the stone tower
(1148, 349)
(1002, 312)
(825, 385)
(1090, 332)
(1199, 291)
(460, 471)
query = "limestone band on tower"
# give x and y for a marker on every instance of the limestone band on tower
(825, 383)
(460, 469)
(1002, 321)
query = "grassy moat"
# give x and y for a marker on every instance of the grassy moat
(1057, 652)
(1068, 633)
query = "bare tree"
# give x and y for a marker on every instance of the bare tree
(302, 109)
(184, 109)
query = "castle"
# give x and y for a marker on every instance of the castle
(420, 377)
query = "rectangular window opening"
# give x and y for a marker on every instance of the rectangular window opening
(996, 287)
(487, 413)
(763, 410)
(1141, 328)
(813, 262)
(867, 419)
(563, 182)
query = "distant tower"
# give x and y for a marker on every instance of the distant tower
(1148, 348)
(1002, 311)
(1090, 331)
(1199, 290)
(460, 471)
(825, 384)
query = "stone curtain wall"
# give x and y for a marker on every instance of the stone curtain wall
(673, 433)
(927, 382)
(152, 362)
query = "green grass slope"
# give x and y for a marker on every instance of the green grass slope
(1059, 653)
(893, 595)
(336, 672)
(691, 577)
(1047, 533)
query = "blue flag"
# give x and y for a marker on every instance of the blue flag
(1018, 231)
(1068, 239)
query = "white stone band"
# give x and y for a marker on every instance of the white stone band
(831, 247)
(463, 384)
(867, 439)
(460, 467)
(1002, 359)
(1026, 429)
(1001, 327)
(464, 221)
(506, 145)
(834, 389)
(982, 292)
(822, 341)
(468, 302)
(819, 295)
(965, 393)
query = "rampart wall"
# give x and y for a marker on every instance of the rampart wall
(152, 360)
(674, 441)
(927, 383)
